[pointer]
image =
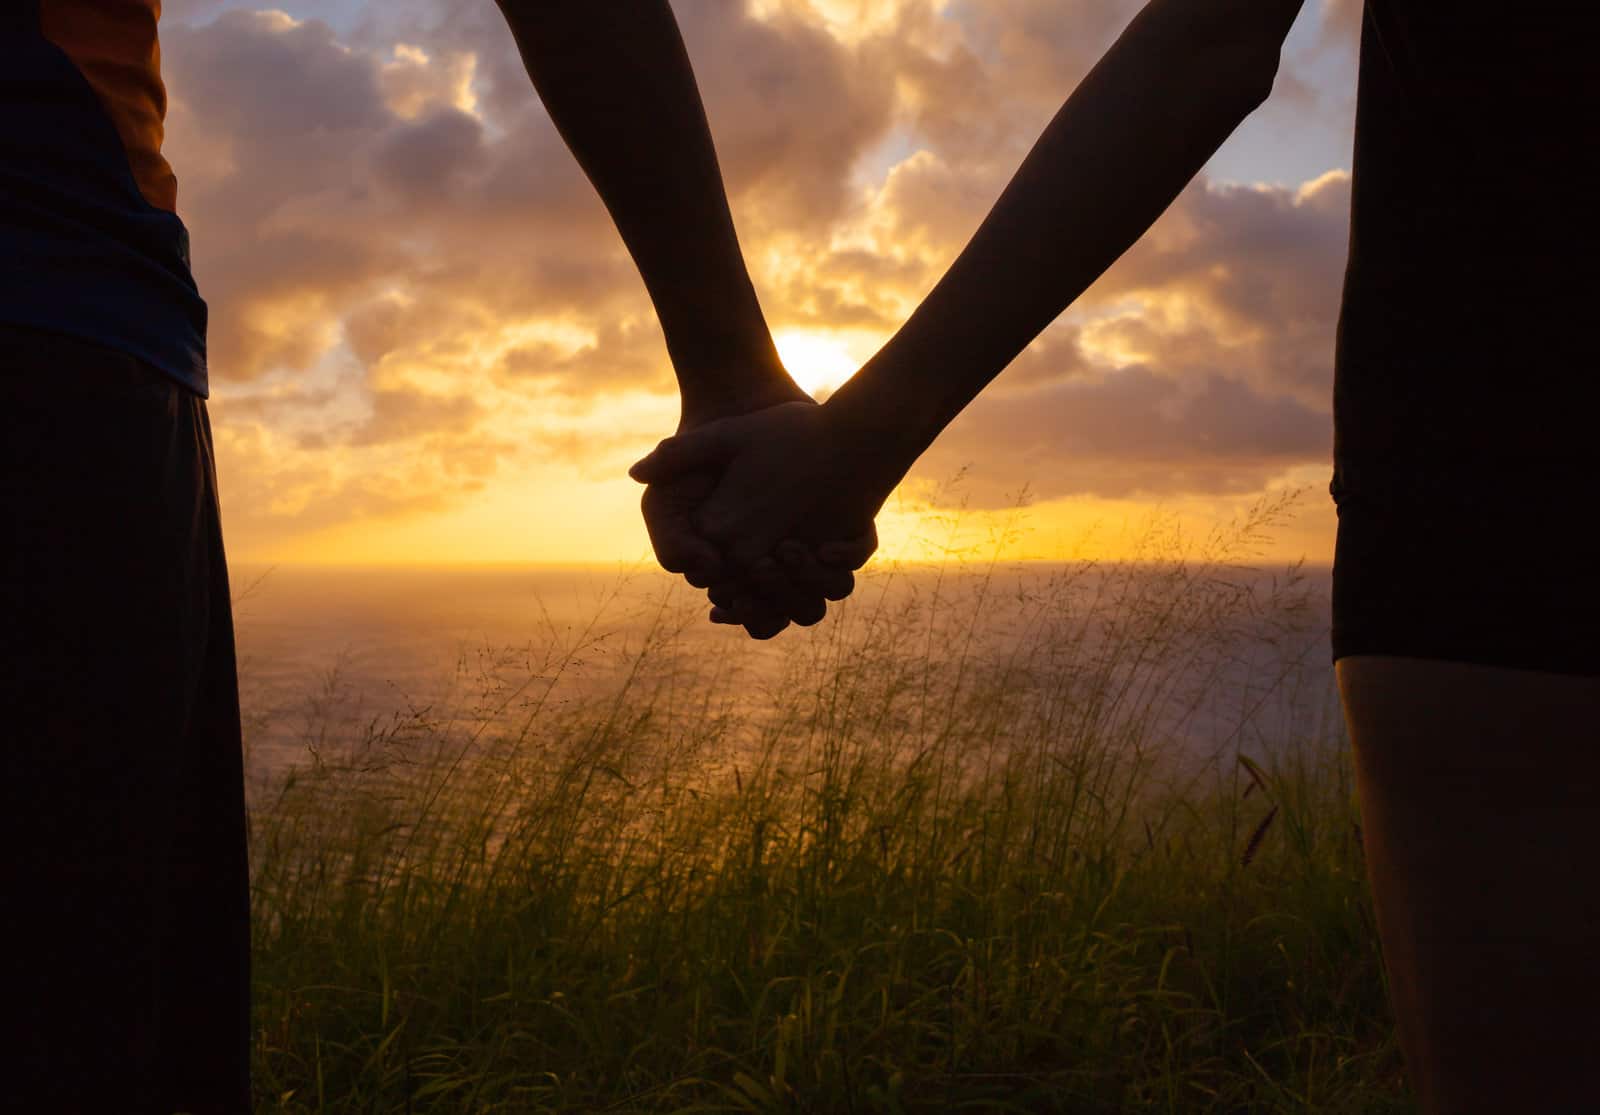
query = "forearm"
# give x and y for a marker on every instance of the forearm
(616, 80)
(1136, 130)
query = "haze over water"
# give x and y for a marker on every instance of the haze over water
(327, 654)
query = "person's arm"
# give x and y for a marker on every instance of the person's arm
(616, 80)
(1143, 122)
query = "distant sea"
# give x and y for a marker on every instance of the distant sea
(326, 653)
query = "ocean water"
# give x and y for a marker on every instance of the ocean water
(1208, 659)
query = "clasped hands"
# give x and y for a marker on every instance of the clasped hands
(770, 511)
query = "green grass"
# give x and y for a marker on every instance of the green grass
(943, 863)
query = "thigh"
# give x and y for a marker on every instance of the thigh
(1480, 790)
(115, 748)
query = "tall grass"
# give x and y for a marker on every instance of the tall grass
(944, 859)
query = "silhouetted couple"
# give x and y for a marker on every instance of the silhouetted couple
(1465, 600)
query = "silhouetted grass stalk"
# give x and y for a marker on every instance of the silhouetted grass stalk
(945, 859)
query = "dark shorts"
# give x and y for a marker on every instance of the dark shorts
(124, 879)
(1500, 574)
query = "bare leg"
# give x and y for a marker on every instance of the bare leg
(1480, 801)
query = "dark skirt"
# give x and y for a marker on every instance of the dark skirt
(125, 885)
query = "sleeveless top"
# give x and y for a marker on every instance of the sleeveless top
(90, 241)
(1464, 365)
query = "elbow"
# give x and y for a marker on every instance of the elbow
(1241, 80)
(1258, 77)
(1240, 42)
(1235, 59)
(1247, 66)
(1231, 86)
(1229, 80)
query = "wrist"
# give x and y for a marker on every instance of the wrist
(873, 442)
(875, 414)
(743, 388)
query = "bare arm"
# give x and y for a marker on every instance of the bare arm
(617, 82)
(1143, 122)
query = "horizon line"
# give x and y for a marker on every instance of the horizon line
(648, 565)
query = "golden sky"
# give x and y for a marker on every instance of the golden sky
(429, 345)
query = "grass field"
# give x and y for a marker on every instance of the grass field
(944, 863)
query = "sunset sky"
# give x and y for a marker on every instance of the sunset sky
(429, 345)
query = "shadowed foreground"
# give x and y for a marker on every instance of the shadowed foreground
(945, 862)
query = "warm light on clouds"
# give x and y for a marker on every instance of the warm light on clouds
(429, 344)
(413, 82)
(849, 21)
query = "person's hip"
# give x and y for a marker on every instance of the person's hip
(1499, 573)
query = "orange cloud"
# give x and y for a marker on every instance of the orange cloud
(420, 311)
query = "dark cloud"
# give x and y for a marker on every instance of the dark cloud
(1134, 433)
(272, 114)
(1259, 270)
(620, 353)
(400, 415)
(258, 76)
(395, 200)
(313, 193)
(791, 109)
(1212, 374)
(430, 160)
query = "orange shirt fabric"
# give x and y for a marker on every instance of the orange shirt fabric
(115, 47)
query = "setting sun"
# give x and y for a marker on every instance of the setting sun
(819, 362)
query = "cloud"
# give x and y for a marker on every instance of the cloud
(1134, 434)
(414, 81)
(432, 158)
(399, 415)
(1218, 379)
(1341, 21)
(791, 109)
(415, 293)
(1244, 279)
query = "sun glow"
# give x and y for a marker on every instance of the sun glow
(818, 362)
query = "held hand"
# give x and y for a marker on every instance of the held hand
(792, 587)
(668, 507)
(799, 578)
(786, 473)
(773, 594)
